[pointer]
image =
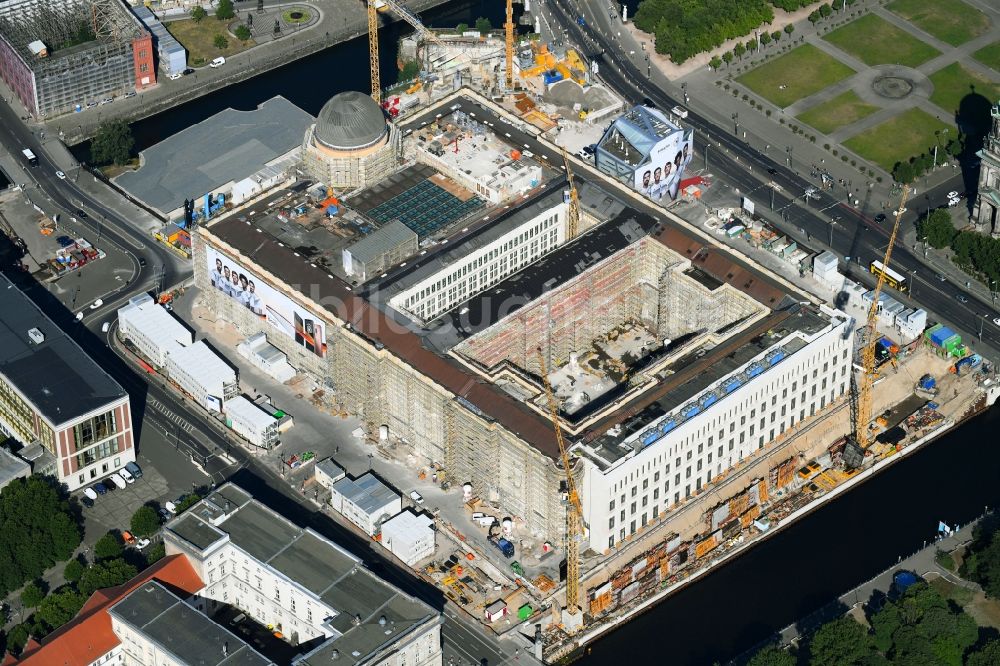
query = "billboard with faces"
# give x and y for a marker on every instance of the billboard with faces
(660, 177)
(291, 320)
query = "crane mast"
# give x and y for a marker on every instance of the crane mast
(509, 38)
(373, 51)
(573, 218)
(574, 510)
(866, 383)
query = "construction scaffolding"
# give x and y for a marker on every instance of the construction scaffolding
(57, 55)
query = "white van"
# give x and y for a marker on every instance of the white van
(124, 473)
(118, 481)
(679, 111)
(218, 62)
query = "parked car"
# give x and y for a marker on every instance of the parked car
(171, 507)
(128, 538)
(134, 469)
(141, 543)
(188, 71)
(90, 493)
(118, 481)
(880, 218)
(105, 327)
(107, 100)
(130, 93)
(416, 497)
(124, 473)
(175, 76)
(81, 214)
(165, 515)
(218, 62)
(100, 488)
(64, 241)
(86, 501)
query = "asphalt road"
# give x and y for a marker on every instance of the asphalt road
(855, 233)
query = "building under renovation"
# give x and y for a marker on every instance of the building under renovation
(660, 346)
(60, 55)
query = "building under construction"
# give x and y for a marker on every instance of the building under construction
(671, 358)
(61, 55)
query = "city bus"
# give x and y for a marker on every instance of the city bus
(892, 278)
(30, 156)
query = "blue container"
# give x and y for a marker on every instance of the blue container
(667, 426)
(690, 410)
(650, 438)
(732, 384)
(708, 400)
(755, 370)
(939, 336)
(774, 356)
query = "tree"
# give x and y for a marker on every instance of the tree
(73, 570)
(988, 655)
(112, 144)
(145, 521)
(840, 643)
(17, 638)
(187, 502)
(242, 33)
(825, 10)
(682, 28)
(838, 4)
(59, 608)
(198, 14)
(715, 63)
(220, 42)
(105, 574)
(903, 172)
(814, 17)
(32, 595)
(483, 25)
(409, 71)
(728, 57)
(776, 35)
(155, 553)
(937, 228)
(225, 11)
(108, 547)
(739, 50)
(765, 38)
(772, 655)
(461, 27)
(789, 29)
(37, 526)
(751, 45)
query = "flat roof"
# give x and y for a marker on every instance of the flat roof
(367, 492)
(189, 635)
(227, 147)
(382, 240)
(203, 364)
(153, 321)
(56, 376)
(11, 467)
(240, 406)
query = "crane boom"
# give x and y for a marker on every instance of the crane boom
(574, 513)
(573, 219)
(863, 413)
(509, 43)
(373, 51)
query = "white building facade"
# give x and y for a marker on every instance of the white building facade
(674, 458)
(409, 536)
(153, 330)
(251, 422)
(365, 501)
(479, 270)
(203, 375)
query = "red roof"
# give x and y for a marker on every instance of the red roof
(89, 636)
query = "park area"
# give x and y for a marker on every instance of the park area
(799, 73)
(198, 37)
(840, 111)
(952, 21)
(897, 139)
(874, 41)
(955, 82)
(989, 56)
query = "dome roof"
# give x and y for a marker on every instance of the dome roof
(350, 120)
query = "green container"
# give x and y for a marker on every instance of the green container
(524, 612)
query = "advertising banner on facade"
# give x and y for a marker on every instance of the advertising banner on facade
(278, 310)
(661, 176)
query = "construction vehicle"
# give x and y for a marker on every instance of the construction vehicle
(572, 617)
(573, 217)
(861, 399)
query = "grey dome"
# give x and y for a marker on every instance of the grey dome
(350, 120)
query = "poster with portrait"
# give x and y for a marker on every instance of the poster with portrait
(660, 176)
(233, 280)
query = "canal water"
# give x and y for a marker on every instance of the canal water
(811, 563)
(310, 82)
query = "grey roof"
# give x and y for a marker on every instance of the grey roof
(56, 376)
(229, 146)
(350, 120)
(331, 468)
(186, 633)
(385, 239)
(366, 491)
(163, 39)
(11, 467)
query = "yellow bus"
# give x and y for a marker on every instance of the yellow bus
(892, 278)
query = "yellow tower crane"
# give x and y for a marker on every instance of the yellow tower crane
(863, 410)
(509, 29)
(373, 51)
(573, 219)
(572, 616)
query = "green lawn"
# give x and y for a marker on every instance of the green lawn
(897, 139)
(875, 41)
(840, 111)
(953, 82)
(951, 21)
(197, 38)
(799, 73)
(989, 56)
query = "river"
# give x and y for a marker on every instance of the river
(310, 82)
(809, 564)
